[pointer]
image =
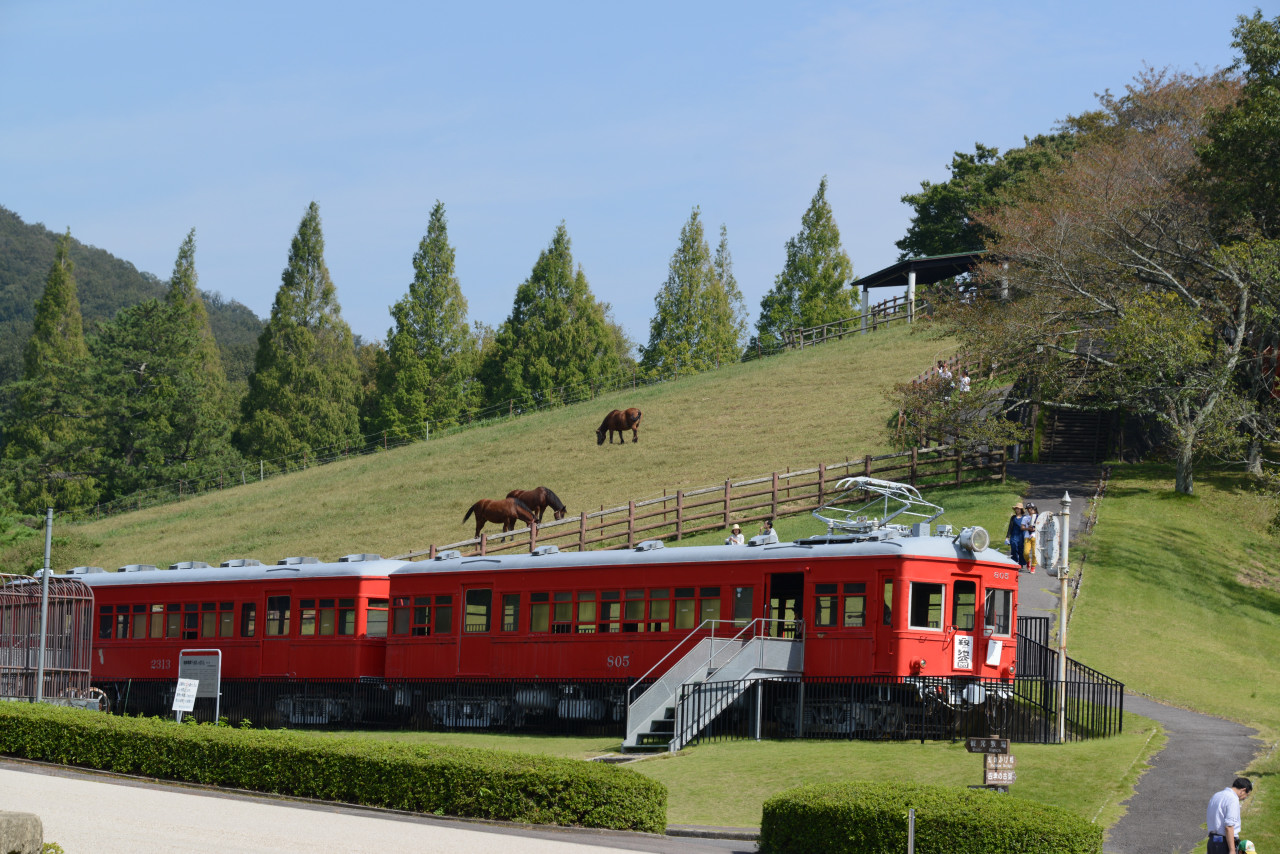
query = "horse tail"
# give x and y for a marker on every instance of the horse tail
(633, 421)
(469, 512)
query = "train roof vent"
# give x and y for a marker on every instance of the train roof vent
(360, 558)
(650, 545)
(137, 567)
(240, 561)
(294, 561)
(944, 531)
(84, 570)
(189, 564)
(545, 550)
(448, 554)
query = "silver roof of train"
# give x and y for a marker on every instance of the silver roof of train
(823, 546)
(353, 569)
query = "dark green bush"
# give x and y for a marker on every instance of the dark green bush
(870, 818)
(440, 780)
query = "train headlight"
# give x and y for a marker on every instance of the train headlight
(974, 539)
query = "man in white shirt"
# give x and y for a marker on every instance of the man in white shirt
(1223, 816)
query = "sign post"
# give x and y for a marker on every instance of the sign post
(997, 762)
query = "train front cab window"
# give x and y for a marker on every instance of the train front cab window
(964, 596)
(998, 611)
(925, 607)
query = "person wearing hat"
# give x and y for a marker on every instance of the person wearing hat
(1030, 516)
(735, 536)
(1014, 536)
(1223, 817)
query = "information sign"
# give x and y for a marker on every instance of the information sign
(203, 665)
(1000, 762)
(987, 745)
(999, 778)
(184, 699)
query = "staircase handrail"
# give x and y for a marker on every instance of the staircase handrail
(695, 633)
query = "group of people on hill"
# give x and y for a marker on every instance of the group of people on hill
(949, 380)
(736, 537)
(1020, 536)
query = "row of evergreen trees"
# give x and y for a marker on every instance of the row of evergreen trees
(145, 401)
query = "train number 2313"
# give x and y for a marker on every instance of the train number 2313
(162, 664)
(614, 661)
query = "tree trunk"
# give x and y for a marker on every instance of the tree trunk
(1184, 481)
(1253, 464)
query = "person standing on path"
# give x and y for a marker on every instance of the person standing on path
(1223, 816)
(1029, 519)
(1013, 536)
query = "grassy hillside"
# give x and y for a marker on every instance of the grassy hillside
(794, 410)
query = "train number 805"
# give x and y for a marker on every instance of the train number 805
(617, 661)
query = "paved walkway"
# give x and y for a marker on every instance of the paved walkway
(1203, 753)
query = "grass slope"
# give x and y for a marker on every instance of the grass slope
(790, 411)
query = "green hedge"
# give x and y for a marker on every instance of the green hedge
(440, 780)
(869, 818)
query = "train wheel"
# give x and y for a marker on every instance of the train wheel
(104, 702)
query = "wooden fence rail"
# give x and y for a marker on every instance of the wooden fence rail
(676, 515)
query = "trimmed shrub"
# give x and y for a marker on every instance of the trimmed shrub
(871, 818)
(439, 780)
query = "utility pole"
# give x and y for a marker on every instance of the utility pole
(1064, 572)
(44, 605)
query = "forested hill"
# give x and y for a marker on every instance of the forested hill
(104, 284)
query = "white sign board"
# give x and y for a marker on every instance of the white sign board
(184, 699)
(202, 665)
(962, 654)
(993, 652)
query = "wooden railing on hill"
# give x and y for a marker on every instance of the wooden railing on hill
(673, 516)
(880, 314)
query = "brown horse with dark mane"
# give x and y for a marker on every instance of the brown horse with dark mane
(508, 511)
(616, 422)
(539, 500)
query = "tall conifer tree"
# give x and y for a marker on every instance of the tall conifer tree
(556, 337)
(48, 449)
(427, 373)
(813, 287)
(303, 394)
(699, 321)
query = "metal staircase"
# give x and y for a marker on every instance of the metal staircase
(657, 720)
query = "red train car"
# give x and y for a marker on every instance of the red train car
(300, 618)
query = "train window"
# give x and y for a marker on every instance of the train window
(278, 613)
(855, 604)
(307, 617)
(157, 621)
(226, 619)
(708, 604)
(888, 602)
(347, 617)
(208, 619)
(611, 611)
(122, 621)
(659, 611)
(104, 622)
(139, 621)
(633, 611)
(964, 598)
(476, 615)
(248, 619)
(586, 614)
(562, 613)
(401, 614)
(172, 621)
(824, 615)
(926, 605)
(325, 617)
(444, 615)
(376, 619)
(510, 612)
(685, 613)
(999, 605)
(743, 605)
(539, 612)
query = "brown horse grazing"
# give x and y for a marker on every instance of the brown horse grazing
(508, 511)
(618, 421)
(539, 500)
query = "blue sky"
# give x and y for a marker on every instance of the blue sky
(132, 122)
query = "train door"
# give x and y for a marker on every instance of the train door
(886, 653)
(275, 633)
(477, 624)
(786, 597)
